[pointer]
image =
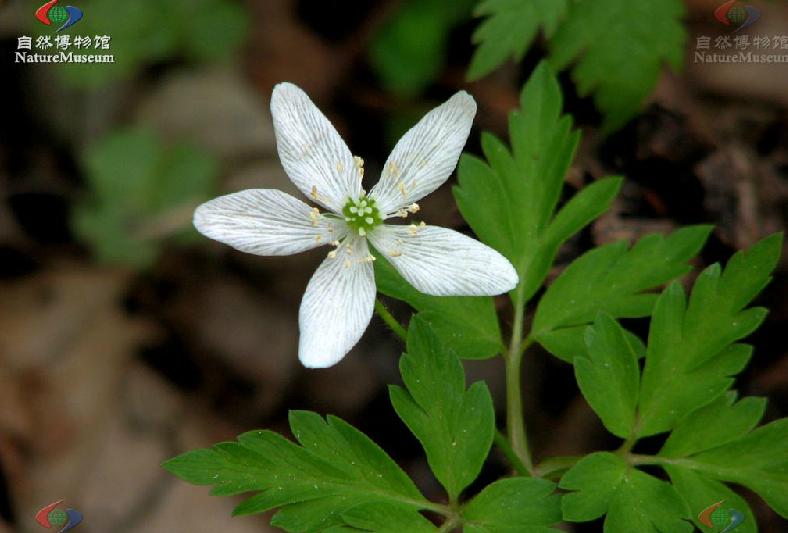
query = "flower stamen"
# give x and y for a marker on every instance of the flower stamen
(359, 165)
(362, 214)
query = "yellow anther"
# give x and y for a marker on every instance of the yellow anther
(395, 253)
(313, 193)
(314, 216)
(332, 254)
(414, 208)
(413, 229)
(359, 165)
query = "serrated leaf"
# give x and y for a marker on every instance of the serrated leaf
(510, 199)
(513, 505)
(602, 483)
(715, 424)
(613, 279)
(333, 469)
(466, 325)
(691, 353)
(386, 518)
(609, 376)
(618, 48)
(701, 492)
(758, 461)
(137, 185)
(509, 28)
(454, 425)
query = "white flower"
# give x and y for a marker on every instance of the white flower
(340, 297)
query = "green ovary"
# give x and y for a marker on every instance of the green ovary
(362, 214)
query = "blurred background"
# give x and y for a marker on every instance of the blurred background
(126, 338)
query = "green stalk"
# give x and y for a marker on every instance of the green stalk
(515, 421)
(390, 321)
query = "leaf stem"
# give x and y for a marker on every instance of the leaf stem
(515, 422)
(449, 525)
(506, 449)
(554, 467)
(390, 321)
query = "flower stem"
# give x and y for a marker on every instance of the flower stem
(390, 321)
(515, 422)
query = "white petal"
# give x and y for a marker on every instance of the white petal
(313, 154)
(443, 262)
(426, 155)
(337, 305)
(266, 222)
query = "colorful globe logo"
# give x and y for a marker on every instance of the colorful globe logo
(51, 13)
(736, 15)
(64, 520)
(57, 517)
(721, 519)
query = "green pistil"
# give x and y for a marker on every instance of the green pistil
(362, 214)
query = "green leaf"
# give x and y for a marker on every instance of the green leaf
(454, 425)
(570, 343)
(334, 469)
(140, 192)
(618, 48)
(700, 492)
(466, 325)
(713, 425)
(410, 49)
(383, 518)
(610, 376)
(510, 199)
(602, 483)
(613, 279)
(758, 461)
(509, 29)
(513, 505)
(691, 352)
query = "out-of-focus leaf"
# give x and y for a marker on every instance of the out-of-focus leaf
(509, 28)
(410, 49)
(139, 192)
(143, 32)
(619, 48)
